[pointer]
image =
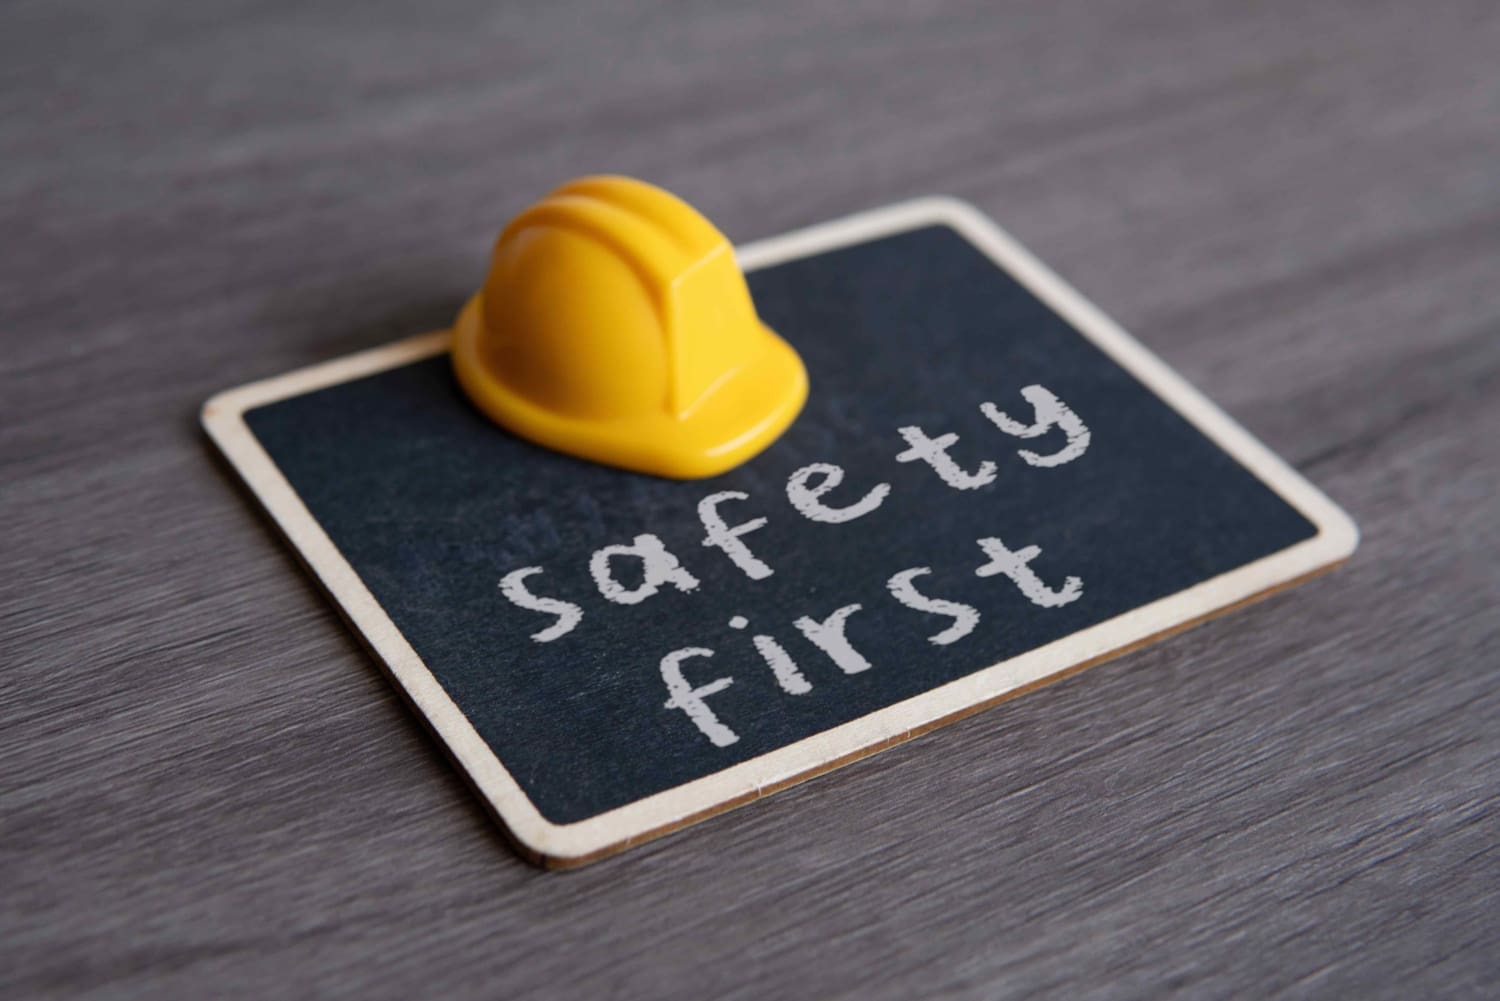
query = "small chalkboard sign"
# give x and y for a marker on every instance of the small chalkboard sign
(991, 486)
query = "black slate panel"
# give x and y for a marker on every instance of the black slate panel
(432, 505)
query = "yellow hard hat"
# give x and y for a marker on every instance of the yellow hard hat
(615, 325)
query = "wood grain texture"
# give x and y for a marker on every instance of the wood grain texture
(208, 789)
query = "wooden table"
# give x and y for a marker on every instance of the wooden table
(207, 789)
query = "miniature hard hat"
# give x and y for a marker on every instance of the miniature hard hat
(615, 325)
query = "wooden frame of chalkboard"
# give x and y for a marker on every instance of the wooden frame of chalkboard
(568, 844)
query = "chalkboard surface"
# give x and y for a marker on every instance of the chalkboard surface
(432, 507)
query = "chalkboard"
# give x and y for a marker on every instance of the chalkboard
(610, 655)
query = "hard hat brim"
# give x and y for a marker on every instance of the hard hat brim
(739, 418)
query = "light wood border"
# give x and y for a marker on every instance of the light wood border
(563, 845)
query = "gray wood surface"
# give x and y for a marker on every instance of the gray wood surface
(207, 789)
